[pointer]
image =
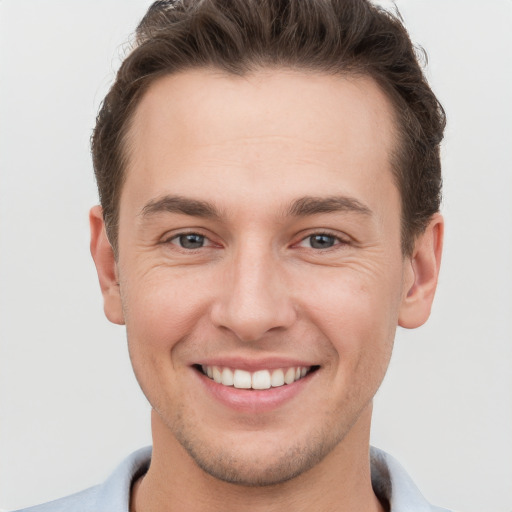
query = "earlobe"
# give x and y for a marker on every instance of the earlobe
(423, 269)
(106, 267)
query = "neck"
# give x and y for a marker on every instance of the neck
(341, 482)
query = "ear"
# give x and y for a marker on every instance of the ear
(421, 275)
(106, 267)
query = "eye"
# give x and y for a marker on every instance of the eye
(189, 240)
(320, 241)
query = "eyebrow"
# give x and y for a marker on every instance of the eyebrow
(310, 205)
(180, 204)
(302, 207)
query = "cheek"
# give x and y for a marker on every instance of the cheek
(359, 317)
(358, 299)
(161, 312)
(161, 308)
(361, 330)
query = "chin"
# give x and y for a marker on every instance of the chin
(258, 463)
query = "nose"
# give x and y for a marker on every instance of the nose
(255, 298)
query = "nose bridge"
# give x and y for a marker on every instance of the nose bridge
(255, 297)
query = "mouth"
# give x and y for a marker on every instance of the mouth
(257, 380)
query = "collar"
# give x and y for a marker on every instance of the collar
(390, 482)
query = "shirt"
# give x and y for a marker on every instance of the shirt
(389, 480)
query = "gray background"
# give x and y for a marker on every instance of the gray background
(70, 409)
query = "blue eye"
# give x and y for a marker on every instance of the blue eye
(321, 241)
(190, 240)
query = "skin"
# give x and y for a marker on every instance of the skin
(259, 291)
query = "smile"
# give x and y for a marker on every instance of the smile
(261, 379)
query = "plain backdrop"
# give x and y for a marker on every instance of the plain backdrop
(70, 408)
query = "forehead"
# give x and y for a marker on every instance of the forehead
(278, 127)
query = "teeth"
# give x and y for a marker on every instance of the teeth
(217, 376)
(261, 379)
(227, 377)
(277, 378)
(242, 379)
(289, 376)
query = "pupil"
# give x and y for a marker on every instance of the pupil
(191, 241)
(321, 241)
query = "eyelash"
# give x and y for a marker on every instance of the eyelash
(337, 241)
(178, 236)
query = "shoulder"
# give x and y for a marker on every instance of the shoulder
(79, 502)
(111, 496)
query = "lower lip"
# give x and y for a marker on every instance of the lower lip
(251, 400)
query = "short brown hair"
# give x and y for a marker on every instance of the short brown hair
(349, 37)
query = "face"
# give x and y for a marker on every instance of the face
(260, 273)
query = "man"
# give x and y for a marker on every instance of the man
(269, 180)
